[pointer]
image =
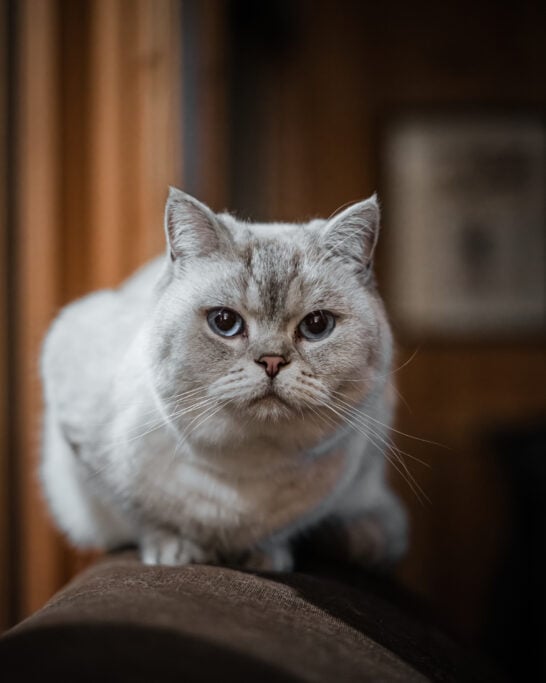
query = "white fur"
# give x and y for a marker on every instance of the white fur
(196, 480)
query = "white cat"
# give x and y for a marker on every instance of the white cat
(228, 397)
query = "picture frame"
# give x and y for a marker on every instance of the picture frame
(466, 224)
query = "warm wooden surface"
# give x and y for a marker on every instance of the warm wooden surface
(37, 290)
(329, 81)
(290, 115)
(98, 145)
(459, 397)
(5, 517)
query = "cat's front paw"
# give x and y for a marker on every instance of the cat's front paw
(371, 541)
(373, 538)
(163, 547)
(276, 558)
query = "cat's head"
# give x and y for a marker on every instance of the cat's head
(267, 326)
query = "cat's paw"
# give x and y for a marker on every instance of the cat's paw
(163, 547)
(373, 538)
(277, 558)
(372, 541)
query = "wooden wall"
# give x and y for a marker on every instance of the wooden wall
(5, 501)
(314, 86)
(98, 143)
(291, 102)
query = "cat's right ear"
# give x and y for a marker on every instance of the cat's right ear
(352, 234)
(191, 228)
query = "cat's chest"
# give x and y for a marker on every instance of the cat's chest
(235, 512)
(288, 499)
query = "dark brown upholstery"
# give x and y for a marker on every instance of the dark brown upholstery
(121, 620)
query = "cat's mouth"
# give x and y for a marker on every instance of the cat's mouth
(271, 397)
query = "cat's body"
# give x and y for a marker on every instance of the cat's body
(201, 443)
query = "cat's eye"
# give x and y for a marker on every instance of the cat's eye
(225, 322)
(317, 325)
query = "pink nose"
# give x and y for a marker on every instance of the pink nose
(272, 364)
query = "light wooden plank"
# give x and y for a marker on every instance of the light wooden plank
(129, 144)
(4, 398)
(37, 291)
(105, 249)
(155, 68)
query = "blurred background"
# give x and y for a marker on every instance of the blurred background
(288, 109)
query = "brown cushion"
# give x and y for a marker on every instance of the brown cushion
(121, 620)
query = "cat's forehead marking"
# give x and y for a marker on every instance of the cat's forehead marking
(272, 268)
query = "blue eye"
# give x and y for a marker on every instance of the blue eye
(225, 322)
(317, 325)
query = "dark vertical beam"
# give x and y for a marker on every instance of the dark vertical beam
(262, 36)
(205, 124)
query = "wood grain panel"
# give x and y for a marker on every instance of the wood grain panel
(5, 511)
(38, 268)
(459, 397)
(330, 80)
(93, 173)
(106, 245)
(154, 65)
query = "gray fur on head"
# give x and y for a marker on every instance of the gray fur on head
(197, 445)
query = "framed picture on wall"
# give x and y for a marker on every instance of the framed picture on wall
(465, 209)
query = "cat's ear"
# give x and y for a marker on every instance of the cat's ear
(191, 228)
(353, 233)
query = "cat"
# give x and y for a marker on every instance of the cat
(230, 397)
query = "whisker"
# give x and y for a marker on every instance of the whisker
(205, 405)
(375, 376)
(393, 449)
(219, 405)
(398, 393)
(403, 365)
(363, 416)
(161, 422)
(396, 431)
(150, 410)
(406, 475)
(359, 414)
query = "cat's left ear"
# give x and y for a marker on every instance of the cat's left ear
(353, 233)
(191, 228)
